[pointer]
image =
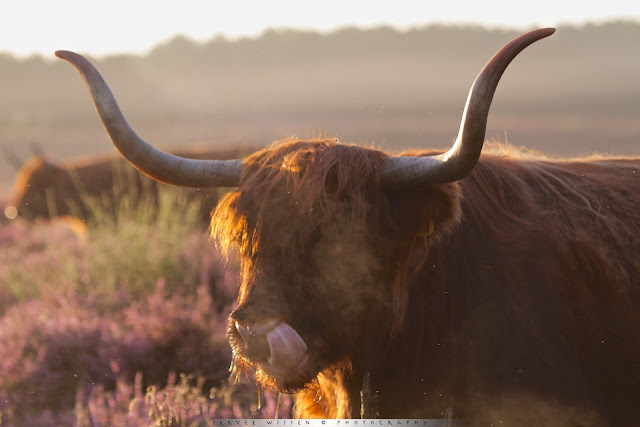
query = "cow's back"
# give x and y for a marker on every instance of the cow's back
(535, 298)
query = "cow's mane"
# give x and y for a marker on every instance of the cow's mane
(306, 183)
(309, 183)
(584, 207)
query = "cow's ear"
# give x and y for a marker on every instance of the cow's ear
(45, 165)
(444, 211)
(421, 218)
(429, 213)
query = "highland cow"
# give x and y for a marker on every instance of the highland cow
(45, 189)
(503, 287)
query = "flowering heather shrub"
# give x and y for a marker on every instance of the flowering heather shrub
(38, 259)
(177, 333)
(47, 349)
(178, 403)
(87, 322)
(52, 352)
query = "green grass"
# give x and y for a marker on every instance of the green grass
(138, 235)
(132, 237)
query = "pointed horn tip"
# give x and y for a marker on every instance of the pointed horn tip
(69, 56)
(545, 32)
(62, 54)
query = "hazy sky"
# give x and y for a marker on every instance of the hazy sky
(29, 26)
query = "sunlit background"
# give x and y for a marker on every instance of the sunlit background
(219, 74)
(99, 28)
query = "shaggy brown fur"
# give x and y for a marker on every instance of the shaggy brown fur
(511, 296)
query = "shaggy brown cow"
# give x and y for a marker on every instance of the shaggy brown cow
(45, 189)
(510, 295)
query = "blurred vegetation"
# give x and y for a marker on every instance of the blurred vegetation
(156, 228)
(132, 237)
(98, 319)
(296, 71)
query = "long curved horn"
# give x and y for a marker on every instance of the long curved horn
(147, 159)
(461, 158)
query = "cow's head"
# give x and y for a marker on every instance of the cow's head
(37, 188)
(322, 230)
(324, 250)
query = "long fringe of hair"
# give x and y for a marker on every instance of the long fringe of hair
(295, 190)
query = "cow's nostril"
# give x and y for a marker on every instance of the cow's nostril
(249, 331)
(256, 345)
(245, 332)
